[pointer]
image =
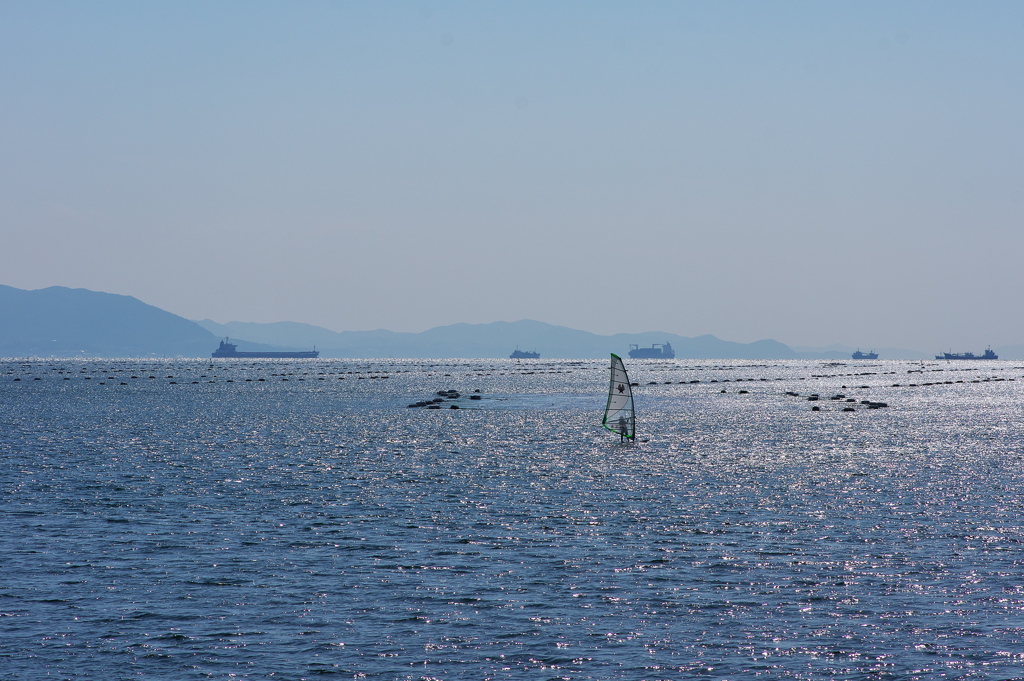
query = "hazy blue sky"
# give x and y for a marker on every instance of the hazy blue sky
(814, 172)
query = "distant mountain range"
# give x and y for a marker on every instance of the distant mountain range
(64, 322)
(497, 339)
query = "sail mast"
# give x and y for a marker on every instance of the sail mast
(619, 414)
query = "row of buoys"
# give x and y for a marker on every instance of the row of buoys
(27, 368)
(228, 380)
(979, 380)
(866, 373)
(679, 382)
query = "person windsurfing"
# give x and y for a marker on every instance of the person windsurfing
(619, 415)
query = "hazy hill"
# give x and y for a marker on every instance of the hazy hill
(65, 322)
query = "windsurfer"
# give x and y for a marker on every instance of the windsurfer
(619, 416)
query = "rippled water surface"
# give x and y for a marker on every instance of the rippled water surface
(289, 519)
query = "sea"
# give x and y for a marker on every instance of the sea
(298, 519)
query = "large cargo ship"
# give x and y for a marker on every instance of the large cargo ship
(227, 349)
(656, 351)
(865, 355)
(524, 354)
(967, 355)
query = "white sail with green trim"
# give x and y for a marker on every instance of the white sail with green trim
(619, 416)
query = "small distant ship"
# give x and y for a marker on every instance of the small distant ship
(227, 349)
(865, 355)
(968, 355)
(656, 351)
(524, 354)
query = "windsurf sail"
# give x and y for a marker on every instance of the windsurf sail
(619, 416)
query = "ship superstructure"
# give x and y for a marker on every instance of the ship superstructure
(656, 351)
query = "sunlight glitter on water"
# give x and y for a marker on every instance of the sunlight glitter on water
(207, 522)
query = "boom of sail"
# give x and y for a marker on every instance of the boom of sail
(619, 415)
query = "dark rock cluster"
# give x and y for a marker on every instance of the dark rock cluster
(442, 396)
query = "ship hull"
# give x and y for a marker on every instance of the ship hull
(230, 351)
(646, 353)
(312, 354)
(967, 355)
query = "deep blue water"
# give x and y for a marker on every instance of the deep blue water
(186, 520)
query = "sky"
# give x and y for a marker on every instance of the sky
(812, 172)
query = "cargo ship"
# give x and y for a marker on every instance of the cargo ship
(865, 355)
(656, 351)
(228, 349)
(523, 354)
(968, 355)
